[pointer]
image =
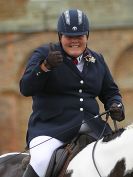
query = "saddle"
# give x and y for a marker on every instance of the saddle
(63, 155)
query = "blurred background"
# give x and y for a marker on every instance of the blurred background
(27, 24)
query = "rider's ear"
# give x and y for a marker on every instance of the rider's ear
(59, 35)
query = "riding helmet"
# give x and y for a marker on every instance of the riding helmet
(73, 22)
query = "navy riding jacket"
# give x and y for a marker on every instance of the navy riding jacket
(64, 96)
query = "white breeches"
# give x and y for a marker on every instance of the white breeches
(42, 148)
(41, 154)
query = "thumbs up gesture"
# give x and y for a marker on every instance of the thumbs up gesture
(54, 58)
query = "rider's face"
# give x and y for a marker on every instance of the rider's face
(74, 45)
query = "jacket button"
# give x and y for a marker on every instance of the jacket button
(81, 99)
(81, 109)
(81, 82)
(38, 73)
(80, 90)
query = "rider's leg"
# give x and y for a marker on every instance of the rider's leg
(41, 150)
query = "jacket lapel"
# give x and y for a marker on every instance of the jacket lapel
(87, 54)
(72, 66)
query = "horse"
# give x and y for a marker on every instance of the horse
(110, 156)
(13, 164)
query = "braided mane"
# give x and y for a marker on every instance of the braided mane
(113, 135)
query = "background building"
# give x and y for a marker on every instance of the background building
(26, 24)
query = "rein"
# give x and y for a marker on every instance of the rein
(94, 147)
(27, 149)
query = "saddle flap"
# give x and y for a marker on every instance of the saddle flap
(57, 161)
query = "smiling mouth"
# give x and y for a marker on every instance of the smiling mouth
(74, 46)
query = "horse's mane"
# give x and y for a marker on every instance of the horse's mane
(113, 135)
(117, 133)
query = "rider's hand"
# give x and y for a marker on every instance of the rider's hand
(54, 58)
(116, 112)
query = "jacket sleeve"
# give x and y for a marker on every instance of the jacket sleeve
(34, 78)
(110, 92)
